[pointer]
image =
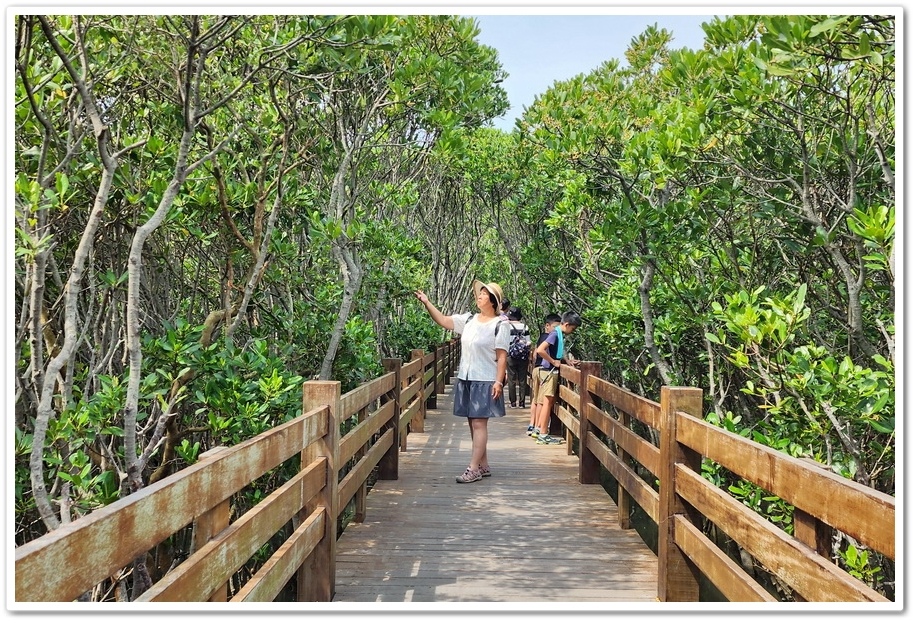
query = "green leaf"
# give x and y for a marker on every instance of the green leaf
(799, 304)
(827, 25)
(881, 427)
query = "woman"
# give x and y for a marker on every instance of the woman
(479, 387)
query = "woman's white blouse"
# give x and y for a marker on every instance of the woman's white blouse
(478, 346)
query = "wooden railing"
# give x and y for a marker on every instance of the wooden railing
(336, 458)
(601, 416)
(341, 441)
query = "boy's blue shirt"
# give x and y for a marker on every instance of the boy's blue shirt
(553, 345)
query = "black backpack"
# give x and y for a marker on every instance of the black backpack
(520, 346)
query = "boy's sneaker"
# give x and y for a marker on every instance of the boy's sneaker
(469, 475)
(530, 429)
(512, 405)
(534, 432)
(547, 439)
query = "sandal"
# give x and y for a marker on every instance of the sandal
(485, 471)
(469, 475)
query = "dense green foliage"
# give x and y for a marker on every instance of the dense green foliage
(730, 215)
(210, 210)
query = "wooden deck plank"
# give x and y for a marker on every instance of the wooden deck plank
(529, 533)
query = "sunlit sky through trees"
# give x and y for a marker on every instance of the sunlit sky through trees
(538, 50)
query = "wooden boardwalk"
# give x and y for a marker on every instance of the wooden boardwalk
(529, 533)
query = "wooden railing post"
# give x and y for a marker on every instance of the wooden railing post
(431, 401)
(676, 578)
(403, 430)
(359, 499)
(624, 499)
(388, 465)
(454, 355)
(317, 575)
(812, 531)
(588, 462)
(441, 368)
(417, 421)
(211, 523)
(809, 529)
(456, 343)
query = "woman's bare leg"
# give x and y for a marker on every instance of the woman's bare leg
(479, 436)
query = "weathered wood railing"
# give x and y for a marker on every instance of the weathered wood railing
(599, 415)
(302, 513)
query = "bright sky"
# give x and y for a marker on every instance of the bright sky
(538, 50)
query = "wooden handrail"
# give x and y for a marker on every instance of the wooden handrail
(654, 451)
(78, 557)
(65, 563)
(602, 420)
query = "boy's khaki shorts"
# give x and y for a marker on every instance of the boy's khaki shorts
(548, 381)
(534, 384)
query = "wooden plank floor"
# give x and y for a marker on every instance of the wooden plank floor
(528, 533)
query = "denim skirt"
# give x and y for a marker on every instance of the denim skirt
(472, 399)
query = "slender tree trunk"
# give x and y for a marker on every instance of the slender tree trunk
(73, 286)
(375, 314)
(645, 287)
(352, 276)
(257, 269)
(135, 461)
(340, 206)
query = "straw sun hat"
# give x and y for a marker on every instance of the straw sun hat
(492, 288)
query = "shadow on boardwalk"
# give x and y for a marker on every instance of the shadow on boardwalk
(529, 533)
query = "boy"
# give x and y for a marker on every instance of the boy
(552, 352)
(550, 323)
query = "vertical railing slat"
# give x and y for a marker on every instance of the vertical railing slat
(211, 523)
(317, 576)
(676, 578)
(416, 422)
(388, 465)
(588, 462)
